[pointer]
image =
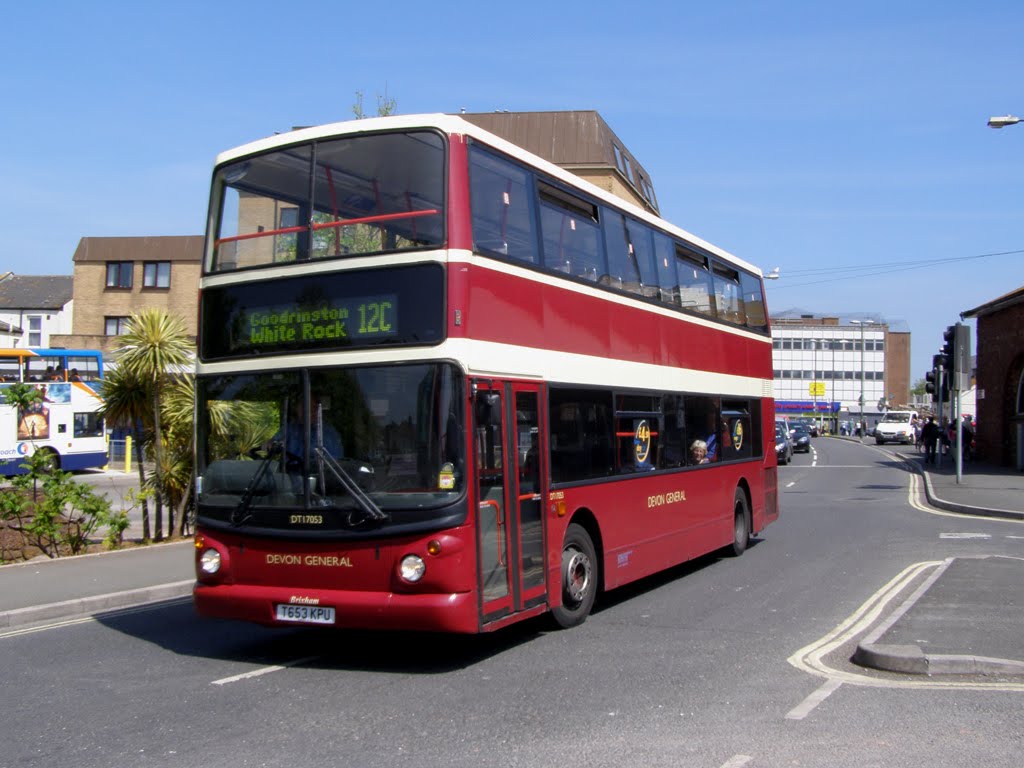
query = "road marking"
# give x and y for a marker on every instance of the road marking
(915, 494)
(806, 706)
(848, 466)
(810, 658)
(30, 629)
(965, 536)
(791, 484)
(737, 761)
(262, 671)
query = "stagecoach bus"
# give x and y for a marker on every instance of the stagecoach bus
(444, 384)
(64, 423)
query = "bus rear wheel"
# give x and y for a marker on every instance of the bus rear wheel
(50, 459)
(740, 525)
(579, 578)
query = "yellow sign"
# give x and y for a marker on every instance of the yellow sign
(816, 388)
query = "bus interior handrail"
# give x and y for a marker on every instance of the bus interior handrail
(329, 225)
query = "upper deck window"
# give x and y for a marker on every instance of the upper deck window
(502, 200)
(330, 199)
(728, 298)
(571, 238)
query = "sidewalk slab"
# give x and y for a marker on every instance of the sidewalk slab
(52, 589)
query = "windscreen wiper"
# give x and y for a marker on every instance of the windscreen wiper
(240, 514)
(366, 504)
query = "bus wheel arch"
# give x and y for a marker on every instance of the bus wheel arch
(51, 457)
(580, 572)
(742, 520)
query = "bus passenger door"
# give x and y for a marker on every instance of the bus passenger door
(531, 446)
(508, 447)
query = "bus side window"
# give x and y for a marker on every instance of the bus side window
(501, 198)
(10, 369)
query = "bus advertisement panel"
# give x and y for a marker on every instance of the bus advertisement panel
(445, 385)
(63, 421)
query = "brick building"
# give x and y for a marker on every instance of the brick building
(116, 276)
(1000, 378)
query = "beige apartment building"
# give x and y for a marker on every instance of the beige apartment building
(117, 276)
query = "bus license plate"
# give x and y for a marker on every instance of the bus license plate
(305, 614)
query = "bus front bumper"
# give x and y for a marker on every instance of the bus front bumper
(431, 612)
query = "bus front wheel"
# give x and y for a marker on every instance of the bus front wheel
(579, 578)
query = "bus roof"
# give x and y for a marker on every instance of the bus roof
(453, 124)
(44, 351)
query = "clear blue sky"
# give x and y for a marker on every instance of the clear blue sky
(814, 137)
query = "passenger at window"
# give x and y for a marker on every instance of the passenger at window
(699, 452)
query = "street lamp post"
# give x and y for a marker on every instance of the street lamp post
(1003, 121)
(863, 423)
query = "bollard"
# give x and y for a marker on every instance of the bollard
(128, 453)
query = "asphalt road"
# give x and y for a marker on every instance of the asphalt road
(721, 663)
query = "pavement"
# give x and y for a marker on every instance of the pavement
(965, 617)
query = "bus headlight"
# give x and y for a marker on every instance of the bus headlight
(209, 561)
(412, 568)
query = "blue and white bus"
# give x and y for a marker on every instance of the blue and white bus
(65, 423)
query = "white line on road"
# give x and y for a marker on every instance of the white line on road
(806, 706)
(791, 484)
(737, 761)
(261, 671)
(965, 536)
(812, 658)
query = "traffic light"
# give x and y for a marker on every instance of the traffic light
(949, 351)
(936, 381)
(962, 358)
(931, 383)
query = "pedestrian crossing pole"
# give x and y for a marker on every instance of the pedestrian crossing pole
(960, 380)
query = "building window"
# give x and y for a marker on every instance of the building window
(156, 274)
(618, 159)
(119, 274)
(35, 330)
(115, 326)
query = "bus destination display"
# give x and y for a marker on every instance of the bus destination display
(335, 321)
(321, 312)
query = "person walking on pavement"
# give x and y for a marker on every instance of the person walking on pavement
(967, 436)
(930, 437)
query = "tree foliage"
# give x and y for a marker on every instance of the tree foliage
(64, 518)
(385, 105)
(155, 350)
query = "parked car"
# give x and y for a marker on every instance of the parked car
(801, 439)
(783, 446)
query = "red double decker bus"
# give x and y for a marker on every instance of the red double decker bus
(446, 385)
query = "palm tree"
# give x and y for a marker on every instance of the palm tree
(178, 416)
(126, 402)
(155, 347)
